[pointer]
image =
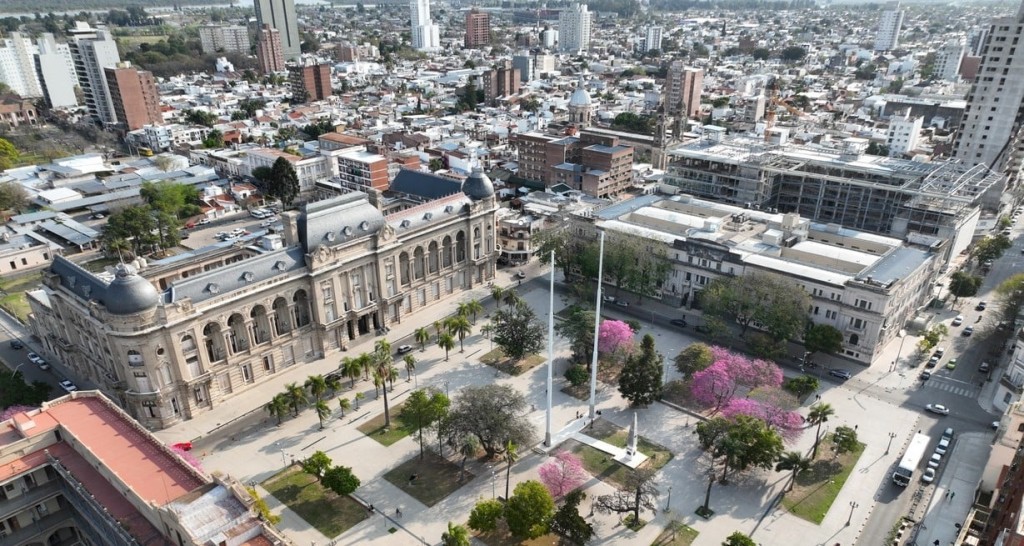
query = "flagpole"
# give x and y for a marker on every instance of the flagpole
(551, 348)
(597, 327)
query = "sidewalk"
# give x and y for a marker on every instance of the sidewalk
(953, 494)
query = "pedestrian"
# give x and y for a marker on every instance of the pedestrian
(398, 511)
(952, 494)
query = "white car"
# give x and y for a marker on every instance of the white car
(943, 446)
(935, 461)
(68, 386)
(937, 408)
(958, 320)
(928, 476)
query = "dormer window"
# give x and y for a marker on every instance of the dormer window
(247, 276)
(364, 225)
(405, 223)
(212, 288)
(347, 231)
(330, 236)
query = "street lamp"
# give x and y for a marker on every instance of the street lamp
(853, 506)
(669, 503)
(492, 484)
(891, 436)
(446, 389)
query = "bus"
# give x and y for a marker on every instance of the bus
(911, 459)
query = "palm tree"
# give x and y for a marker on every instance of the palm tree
(333, 384)
(474, 307)
(384, 360)
(392, 374)
(351, 367)
(456, 535)
(446, 342)
(819, 414)
(795, 461)
(410, 366)
(462, 310)
(366, 362)
(359, 396)
(461, 327)
(377, 382)
(344, 404)
(511, 455)
(467, 448)
(322, 411)
(437, 328)
(317, 386)
(277, 407)
(296, 397)
(498, 294)
(511, 298)
(486, 330)
(422, 337)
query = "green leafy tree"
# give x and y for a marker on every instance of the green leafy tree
(12, 196)
(9, 155)
(436, 164)
(761, 54)
(423, 409)
(456, 535)
(578, 328)
(517, 331)
(823, 338)
(818, 416)
(485, 515)
(640, 381)
(844, 440)
(277, 407)
(322, 127)
(215, 139)
(793, 54)
(1010, 294)
(801, 386)
(569, 524)
(990, 248)
(739, 539)
(963, 285)
(637, 494)
(778, 304)
(341, 480)
(577, 375)
(493, 414)
(282, 182)
(529, 510)
(200, 117)
(635, 123)
(739, 443)
(795, 461)
(132, 227)
(694, 358)
(316, 464)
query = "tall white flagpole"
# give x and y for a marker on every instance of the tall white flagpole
(551, 348)
(597, 327)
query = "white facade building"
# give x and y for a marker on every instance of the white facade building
(903, 133)
(651, 40)
(889, 26)
(17, 67)
(426, 36)
(231, 39)
(93, 50)
(56, 72)
(948, 59)
(574, 29)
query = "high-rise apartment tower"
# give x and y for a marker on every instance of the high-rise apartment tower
(280, 14)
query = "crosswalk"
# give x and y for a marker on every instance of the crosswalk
(960, 389)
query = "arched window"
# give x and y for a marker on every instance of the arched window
(237, 336)
(301, 310)
(213, 340)
(403, 267)
(433, 257)
(460, 247)
(282, 322)
(854, 339)
(259, 325)
(417, 262)
(446, 251)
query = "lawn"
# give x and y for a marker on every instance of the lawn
(14, 288)
(602, 466)
(496, 358)
(323, 509)
(816, 489)
(374, 428)
(436, 478)
(677, 534)
(502, 537)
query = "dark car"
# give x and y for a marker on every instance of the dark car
(981, 306)
(678, 322)
(925, 376)
(15, 344)
(967, 331)
(841, 374)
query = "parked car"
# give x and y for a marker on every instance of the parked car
(967, 331)
(958, 320)
(68, 386)
(981, 306)
(841, 374)
(937, 408)
(983, 367)
(98, 216)
(678, 322)
(943, 446)
(17, 345)
(939, 351)
(932, 362)
(402, 349)
(622, 303)
(608, 299)
(203, 221)
(935, 461)
(925, 376)
(928, 476)
(521, 275)
(948, 433)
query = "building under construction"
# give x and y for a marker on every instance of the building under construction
(840, 185)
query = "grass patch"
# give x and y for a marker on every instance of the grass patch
(602, 466)
(323, 509)
(436, 478)
(580, 392)
(374, 428)
(13, 299)
(496, 359)
(99, 265)
(502, 537)
(816, 489)
(677, 534)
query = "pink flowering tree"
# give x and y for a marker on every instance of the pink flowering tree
(13, 410)
(789, 424)
(562, 473)
(713, 386)
(745, 371)
(614, 335)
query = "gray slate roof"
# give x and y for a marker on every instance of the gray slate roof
(423, 184)
(338, 220)
(236, 276)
